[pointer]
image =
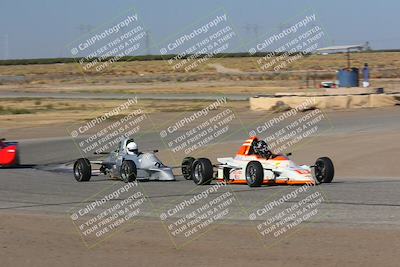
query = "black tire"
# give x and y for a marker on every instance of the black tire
(186, 167)
(82, 170)
(202, 171)
(254, 174)
(128, 171)
(324, 170)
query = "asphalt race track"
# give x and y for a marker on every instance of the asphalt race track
(356, 202)
(44, 183)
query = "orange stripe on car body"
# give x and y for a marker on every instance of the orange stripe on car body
(270, 182)
(245, 148)
(280, 157)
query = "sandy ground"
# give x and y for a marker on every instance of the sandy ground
(36, 240)
(216, 76)
(54, 114)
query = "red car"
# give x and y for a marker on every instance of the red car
(9, 154)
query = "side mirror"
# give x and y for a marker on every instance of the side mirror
(2, 139)
(288, 154)
(155, 151)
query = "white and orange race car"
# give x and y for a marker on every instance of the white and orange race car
(254, 165)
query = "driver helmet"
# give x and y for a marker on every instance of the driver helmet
(261, 147)
(132, 148)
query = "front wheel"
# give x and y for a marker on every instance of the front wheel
(82, 170)
(186, 167)
(254, 174)
(324, 170)
(202, 171)
(128, 171)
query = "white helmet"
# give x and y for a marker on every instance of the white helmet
(131, 148)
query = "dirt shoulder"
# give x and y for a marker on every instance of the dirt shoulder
(47, 240)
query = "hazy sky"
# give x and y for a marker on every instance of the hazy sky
(44, 28)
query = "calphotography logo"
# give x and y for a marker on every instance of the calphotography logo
(188, 218)
(285, 131)
(200, 42)
(282, 215)
(109, 211)
(194, 131)
(103, 133)
(299, 38)
(100, 48)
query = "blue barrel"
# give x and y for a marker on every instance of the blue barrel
(348, 77)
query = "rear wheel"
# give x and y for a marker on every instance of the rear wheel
(324, 170)
(82, 170)
(128, 171)
(202, 171)
(187, 167)
(254, 174)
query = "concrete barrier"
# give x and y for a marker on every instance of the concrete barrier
(359, 101)
(334, 91)
(324, 102)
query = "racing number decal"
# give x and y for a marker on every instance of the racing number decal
(303, 171)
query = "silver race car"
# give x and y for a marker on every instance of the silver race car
(125, 163)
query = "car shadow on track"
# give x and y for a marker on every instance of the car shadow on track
(21, 166)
